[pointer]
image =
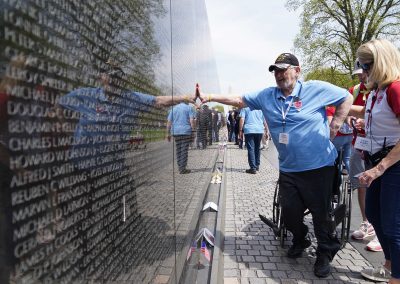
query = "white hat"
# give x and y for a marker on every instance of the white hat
(357, 68)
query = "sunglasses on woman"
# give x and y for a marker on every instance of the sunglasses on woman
(365, 66)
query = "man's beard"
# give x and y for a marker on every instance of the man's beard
(286, 85)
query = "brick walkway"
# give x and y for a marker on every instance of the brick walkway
(250, 253)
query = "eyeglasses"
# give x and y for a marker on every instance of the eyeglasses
(365, 66)
(278, 70)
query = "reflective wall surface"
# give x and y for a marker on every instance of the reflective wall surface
(90, 188)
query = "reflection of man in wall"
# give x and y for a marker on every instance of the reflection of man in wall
(180, 124)
(105, 110)
(103, 153)
(107, 117)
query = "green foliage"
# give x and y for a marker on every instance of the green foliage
(219, 108)
(332, 30)
(333, 76)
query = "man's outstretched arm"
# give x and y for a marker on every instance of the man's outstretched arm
(165, 101)
(233, 100)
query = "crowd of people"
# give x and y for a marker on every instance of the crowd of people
(200, 126)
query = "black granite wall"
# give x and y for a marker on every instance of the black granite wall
(90, 192)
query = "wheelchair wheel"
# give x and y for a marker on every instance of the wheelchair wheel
(346, 199)
(282, 233)
(276, 207)
(349, 208)
(277, 216)
(344, 222)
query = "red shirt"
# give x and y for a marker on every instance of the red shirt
(393, 97)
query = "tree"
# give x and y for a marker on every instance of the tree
(332, 30)
(219, 108)
(331, 75)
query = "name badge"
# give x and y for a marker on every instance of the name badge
(284, 138)
(363, 143)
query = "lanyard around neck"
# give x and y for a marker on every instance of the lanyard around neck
(284, 113)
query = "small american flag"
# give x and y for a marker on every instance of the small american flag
(205, 251)
(192, 249)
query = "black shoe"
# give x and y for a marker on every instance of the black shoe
(322, 266)
(257, 169)
(185, 171)
(296, 250)
(251, 171)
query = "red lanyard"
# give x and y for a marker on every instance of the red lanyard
(373, 100)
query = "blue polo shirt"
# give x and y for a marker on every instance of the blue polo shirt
(180, 116)
(306, 124)
(253, 121)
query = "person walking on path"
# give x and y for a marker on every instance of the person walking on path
(296, 118)
(380, 60)
(231, 125)
(181, 124)
(216, 124)
(252, 125)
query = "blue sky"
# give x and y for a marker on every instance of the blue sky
(247, 37)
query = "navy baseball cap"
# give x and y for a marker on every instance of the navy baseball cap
(283, 61)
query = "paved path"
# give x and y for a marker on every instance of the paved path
(250, 252)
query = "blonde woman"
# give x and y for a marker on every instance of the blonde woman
(380, 60)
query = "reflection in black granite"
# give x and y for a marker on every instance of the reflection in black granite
(88, 188)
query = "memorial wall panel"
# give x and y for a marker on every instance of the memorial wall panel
(90, 189)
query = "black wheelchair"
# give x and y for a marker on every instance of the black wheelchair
(340, 213)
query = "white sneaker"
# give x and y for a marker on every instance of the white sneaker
(366, 230)
(374, 245)
(380, 274)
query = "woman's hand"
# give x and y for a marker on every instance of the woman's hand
(369, 176)
(359, 124)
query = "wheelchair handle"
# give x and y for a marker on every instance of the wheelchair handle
(352, 122)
